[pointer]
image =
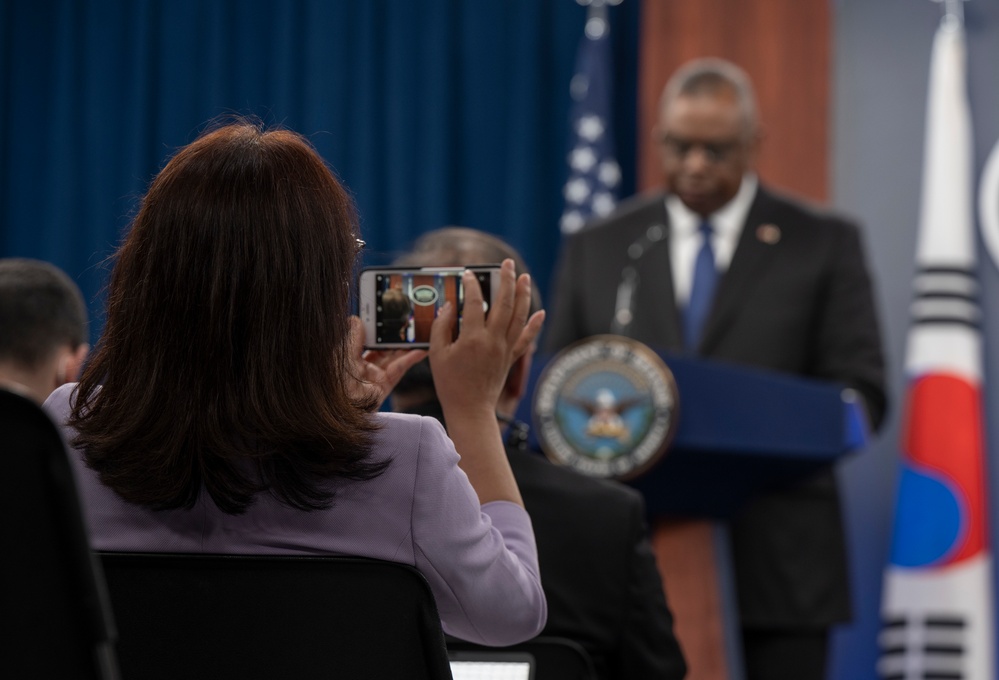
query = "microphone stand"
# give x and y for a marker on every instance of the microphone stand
(624, 305)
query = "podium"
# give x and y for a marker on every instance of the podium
(740, 432)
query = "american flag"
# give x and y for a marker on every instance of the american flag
(594, 175)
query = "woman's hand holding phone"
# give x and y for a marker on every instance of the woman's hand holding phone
(399, 304)
(470, 371)
(377, 372)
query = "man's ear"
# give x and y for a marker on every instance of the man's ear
(73, 363)
(517, 378)
(753, 145)
(656, 136)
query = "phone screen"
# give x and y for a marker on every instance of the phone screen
(407, 302)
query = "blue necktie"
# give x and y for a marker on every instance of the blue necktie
(702, 290)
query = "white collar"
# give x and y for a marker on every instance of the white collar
(727, 221)
(685, 240)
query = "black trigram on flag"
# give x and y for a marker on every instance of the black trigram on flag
(930, 648)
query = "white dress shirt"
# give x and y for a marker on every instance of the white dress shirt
(685, 237)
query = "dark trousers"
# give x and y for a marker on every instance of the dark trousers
(792, 654)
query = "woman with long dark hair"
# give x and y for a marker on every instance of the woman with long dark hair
(229, 407)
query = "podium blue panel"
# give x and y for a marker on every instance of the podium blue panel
(740, 431)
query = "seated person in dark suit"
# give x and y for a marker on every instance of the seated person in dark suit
(43, 328)
(597, 568)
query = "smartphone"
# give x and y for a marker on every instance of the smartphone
(398, 304)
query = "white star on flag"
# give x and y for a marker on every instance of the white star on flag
(577, 190)
(603, 204)
(582, 158)
(594, 180)
(572, 222)
(609, 173)
(590, 128)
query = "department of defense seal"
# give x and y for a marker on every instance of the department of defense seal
(606, 406)
(424, 295)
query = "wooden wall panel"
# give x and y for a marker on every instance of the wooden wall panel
(782, 44)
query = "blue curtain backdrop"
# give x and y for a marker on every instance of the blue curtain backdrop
(434, 112)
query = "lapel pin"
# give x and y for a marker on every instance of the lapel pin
(768, 233)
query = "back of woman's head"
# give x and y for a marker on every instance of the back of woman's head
(224, 359)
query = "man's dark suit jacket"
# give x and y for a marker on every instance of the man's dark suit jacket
(800, 304)
(597, 568)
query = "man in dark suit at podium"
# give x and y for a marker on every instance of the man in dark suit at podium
(721, 267)
(597, 568)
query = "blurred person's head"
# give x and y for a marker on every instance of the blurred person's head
(43, 327)
(224, 363)
(463, 247)
(708, 133)
(396, 313)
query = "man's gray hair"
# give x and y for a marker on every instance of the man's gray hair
(462, 246)
(708, 75)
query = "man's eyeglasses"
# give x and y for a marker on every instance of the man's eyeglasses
(714, 152)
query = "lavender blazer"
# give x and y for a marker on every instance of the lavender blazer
(481, 561)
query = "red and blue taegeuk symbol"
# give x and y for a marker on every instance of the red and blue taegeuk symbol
(941, 506)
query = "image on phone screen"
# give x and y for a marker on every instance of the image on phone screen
(406, 303)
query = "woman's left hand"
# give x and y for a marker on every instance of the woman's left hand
(377, 372)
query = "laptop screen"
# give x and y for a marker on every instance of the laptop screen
(491, 665)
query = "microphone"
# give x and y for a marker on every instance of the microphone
(624, 305)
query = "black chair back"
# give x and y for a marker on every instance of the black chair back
(57, 622)
(244, 617)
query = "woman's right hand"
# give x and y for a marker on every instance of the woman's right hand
(470, 371)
